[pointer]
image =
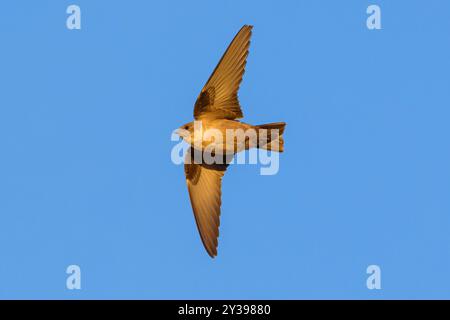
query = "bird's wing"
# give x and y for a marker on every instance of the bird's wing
(218, 98)
(204, 185)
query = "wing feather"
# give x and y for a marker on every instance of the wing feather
(225, 80)
(204, 185)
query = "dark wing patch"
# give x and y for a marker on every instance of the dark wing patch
(205, 99)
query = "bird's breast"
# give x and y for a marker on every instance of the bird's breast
(224, 136)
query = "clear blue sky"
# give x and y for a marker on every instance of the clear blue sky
(86, 176)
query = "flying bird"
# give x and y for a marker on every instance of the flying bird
(217, 107)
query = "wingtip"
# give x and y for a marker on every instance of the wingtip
(212, 250)
(247, 26)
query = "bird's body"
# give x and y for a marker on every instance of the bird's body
(216, 135)
(217, 131)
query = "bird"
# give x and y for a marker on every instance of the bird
(217, 108)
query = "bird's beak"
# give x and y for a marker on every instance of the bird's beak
(179, 132)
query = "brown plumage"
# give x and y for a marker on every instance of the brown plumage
(218, 107)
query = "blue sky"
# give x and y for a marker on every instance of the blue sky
(86, 176)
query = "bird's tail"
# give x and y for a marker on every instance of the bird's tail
(270, 136)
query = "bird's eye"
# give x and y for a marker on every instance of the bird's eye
(186, 127)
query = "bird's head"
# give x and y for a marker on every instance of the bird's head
(186, 131)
